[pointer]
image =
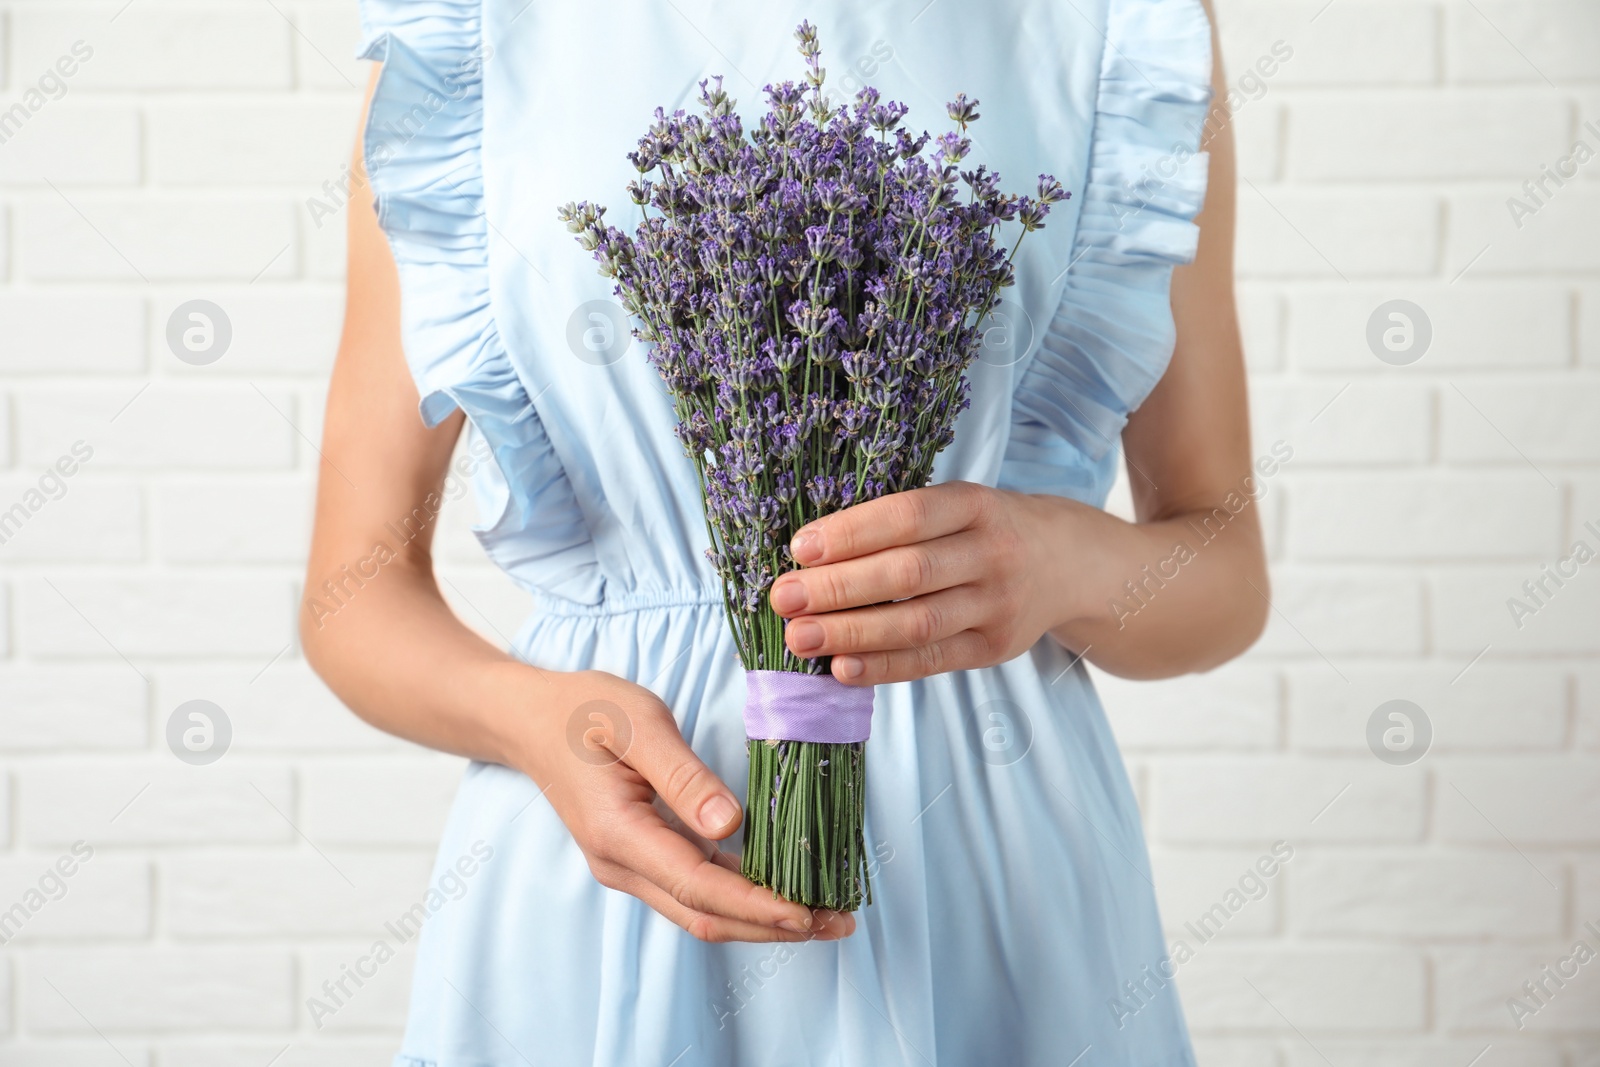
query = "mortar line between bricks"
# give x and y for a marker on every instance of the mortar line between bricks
(1285, 1018)
(95, 628)
(1504, 838)
(312, 45)
(1503, 436)
(303, 836)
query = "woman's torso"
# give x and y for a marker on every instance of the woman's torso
(1012, 897)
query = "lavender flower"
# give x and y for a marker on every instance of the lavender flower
(811, 291)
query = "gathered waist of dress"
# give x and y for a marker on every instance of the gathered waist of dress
(634, 602)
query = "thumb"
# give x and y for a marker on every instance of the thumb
(690, 788)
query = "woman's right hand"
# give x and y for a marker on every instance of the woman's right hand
(644, 810)
(647, 813)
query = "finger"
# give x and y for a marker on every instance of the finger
(705, 927)
(674, 864)
(708, 848)
(659, 753)
(963, 651)
(832, 925)
(896, 519)
(891, 574)
(922, 620)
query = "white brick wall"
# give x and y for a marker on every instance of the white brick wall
(1378, 160)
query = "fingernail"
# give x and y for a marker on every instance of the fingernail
(806, 546)
(717, 813)
(794, 926)
(847, 667)
(789, 597)
(805, 635)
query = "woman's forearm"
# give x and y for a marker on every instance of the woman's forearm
(1153, 599)
(396, 654)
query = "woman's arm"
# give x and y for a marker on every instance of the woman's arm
(978, 574)
(386, 642)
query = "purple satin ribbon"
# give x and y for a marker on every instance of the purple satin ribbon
(785, 706)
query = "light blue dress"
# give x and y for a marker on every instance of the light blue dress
(1012, 896)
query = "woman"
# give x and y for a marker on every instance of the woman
(601, 921)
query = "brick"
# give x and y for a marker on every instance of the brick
(166, 47)
(1585, 509)
(1471, 609)
(234, 521)
(1261, 323)
(1406, 895)
(393, 803)
(5, 425)
(380, 1003)
(81, 707)
(1233, 707)
(81, 519)
(1473, 985)
(1332, 612)
(325, 246)
(1423, 135)
(1191, 883)
(283, 708)
(210, 427)
(51, 333)
(1491, 707)
(1512, 325)
(1415, 1052)
(1543, 800)
(70, 145)
(1369, 42)
(1236, 1052)
(352, 1053)
(147, 990)
(1431, 516)
(196, 238)
(311, 407)
(325, 48)
(105, 897)
(1496, 41)
(156, 617)
(6, 786)
(1291, 233)
(1263, 800)
(1588, 696)
(302, 144)
(290, 894)
(1587, 906)
(6, 996)
(1259, 141)
(1316, 991)
(1484, 235)
(1515, 422)
(1589, 325)
(75, 1054)
(277, 330)
(155, 803)
(1328, 424)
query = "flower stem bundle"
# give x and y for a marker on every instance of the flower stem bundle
(811, 291)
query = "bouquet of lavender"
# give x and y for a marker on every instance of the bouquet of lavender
(811, 292)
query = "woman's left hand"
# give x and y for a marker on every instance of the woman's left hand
(938, 579)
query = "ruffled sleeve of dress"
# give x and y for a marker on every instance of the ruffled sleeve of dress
(1112, 335)
(423, 153)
